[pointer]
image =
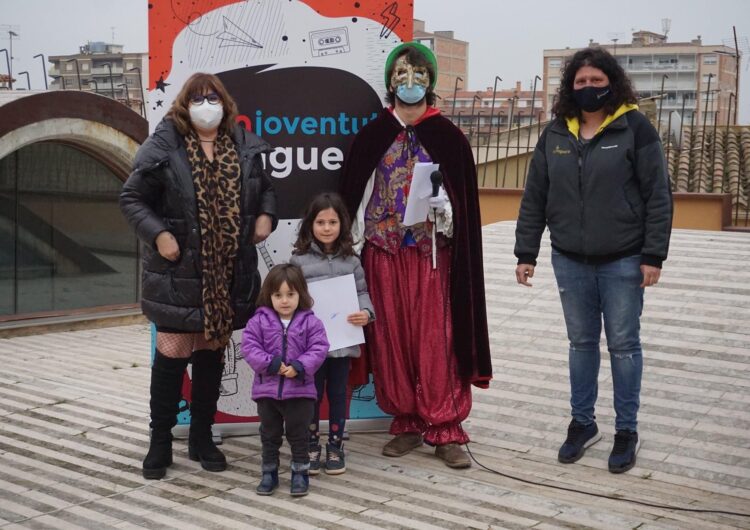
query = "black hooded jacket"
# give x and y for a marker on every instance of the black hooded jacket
(159, 195)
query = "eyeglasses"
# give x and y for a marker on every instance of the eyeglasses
(212, 98)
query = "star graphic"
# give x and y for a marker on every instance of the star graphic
(159, 102)
(161, 85)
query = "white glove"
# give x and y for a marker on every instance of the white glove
(438, 203)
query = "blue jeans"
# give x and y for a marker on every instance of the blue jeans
(588, 293)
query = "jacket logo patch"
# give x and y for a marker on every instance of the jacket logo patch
(609, 146)
(559, 151)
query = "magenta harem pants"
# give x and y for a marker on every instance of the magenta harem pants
(410, 344)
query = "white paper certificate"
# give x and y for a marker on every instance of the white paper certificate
(417, 205)
(335, 299)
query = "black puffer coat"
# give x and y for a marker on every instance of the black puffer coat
(159, 195)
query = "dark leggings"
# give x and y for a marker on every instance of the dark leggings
(278, 416)
(331, 377)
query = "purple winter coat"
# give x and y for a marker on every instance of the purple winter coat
(265, 346)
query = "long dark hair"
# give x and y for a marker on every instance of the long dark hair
(292, 275)
(415, 59)
(344, 243)
(565, 105)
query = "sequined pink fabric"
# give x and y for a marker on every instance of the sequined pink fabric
(410, 344)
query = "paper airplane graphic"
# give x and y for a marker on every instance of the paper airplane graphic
(234, 36)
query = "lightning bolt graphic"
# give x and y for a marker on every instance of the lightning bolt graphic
(234, 36)
(390, 15)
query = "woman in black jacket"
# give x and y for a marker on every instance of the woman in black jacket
(199, 199)
(598, 180)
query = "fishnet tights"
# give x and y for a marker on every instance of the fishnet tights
(182, 345)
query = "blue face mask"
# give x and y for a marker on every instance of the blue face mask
(412, 95)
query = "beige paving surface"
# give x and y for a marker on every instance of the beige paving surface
(73, 425)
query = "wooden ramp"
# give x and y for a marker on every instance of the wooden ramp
(74, 407)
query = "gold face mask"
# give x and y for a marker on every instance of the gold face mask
(404, 73)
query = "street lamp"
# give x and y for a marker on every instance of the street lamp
(140, 90)
(661, 102)
(111, 80)
(78, 71)
(44, 70)
(489, 137)
(7, 64)
(28, 83)
(62, 78)
(96, 85)
(455, 89)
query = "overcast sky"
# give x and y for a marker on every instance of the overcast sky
(505, 38)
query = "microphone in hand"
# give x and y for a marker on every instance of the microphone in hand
(436, 177)
(438, 199)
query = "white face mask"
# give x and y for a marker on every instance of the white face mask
(206, 116)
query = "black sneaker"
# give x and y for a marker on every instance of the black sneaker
(622, 457)
(335, 462)
(580, 437)
(314, 453)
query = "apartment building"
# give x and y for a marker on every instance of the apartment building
(482, 109)
(452, 56)
(102, 68)
(697, 80)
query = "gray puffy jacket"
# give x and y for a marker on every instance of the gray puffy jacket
(602, 201)
(316, 265)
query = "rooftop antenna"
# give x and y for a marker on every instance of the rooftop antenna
(666, 24)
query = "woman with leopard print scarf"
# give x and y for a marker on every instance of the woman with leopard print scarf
(199, 199)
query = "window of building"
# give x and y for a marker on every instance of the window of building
(709, 59)
(85, 67)
(707, 76)
(69, 67)
(555, 63)
(430, 43)
(66, 246)
(553, 80)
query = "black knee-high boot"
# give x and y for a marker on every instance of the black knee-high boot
(208, 367)
(166, 386)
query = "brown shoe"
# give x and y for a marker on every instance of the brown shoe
(452, 455)
(402, 444)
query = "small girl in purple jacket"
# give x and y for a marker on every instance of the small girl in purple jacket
(285, 344)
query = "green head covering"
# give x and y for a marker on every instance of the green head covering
(421, 48)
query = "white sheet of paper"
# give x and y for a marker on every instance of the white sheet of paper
(335, 299)
(417, 205)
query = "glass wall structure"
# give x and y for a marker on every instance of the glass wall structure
(64, 245)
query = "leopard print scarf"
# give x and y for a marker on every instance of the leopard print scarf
(217, 191)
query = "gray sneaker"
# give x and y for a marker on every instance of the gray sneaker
(314, 452)
(335, 463)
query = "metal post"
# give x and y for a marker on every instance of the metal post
(28, 83)
(127, 93)
(11, 34)
(729, 111)
(471, 119)
(518, 145)
(703, 136)
(669, 145)
(111, 80)
(78, 71)
(7, 64)
(507, 140)
(455, 89)
(44, 70)
(140, 88)
(531, 122)
(661, 102)
(489, 137)
(62, 79)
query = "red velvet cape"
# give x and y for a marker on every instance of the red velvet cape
(447, 146)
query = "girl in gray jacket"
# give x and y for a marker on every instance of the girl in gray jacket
(324, 249)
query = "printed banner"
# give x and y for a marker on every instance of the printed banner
(307, 75)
